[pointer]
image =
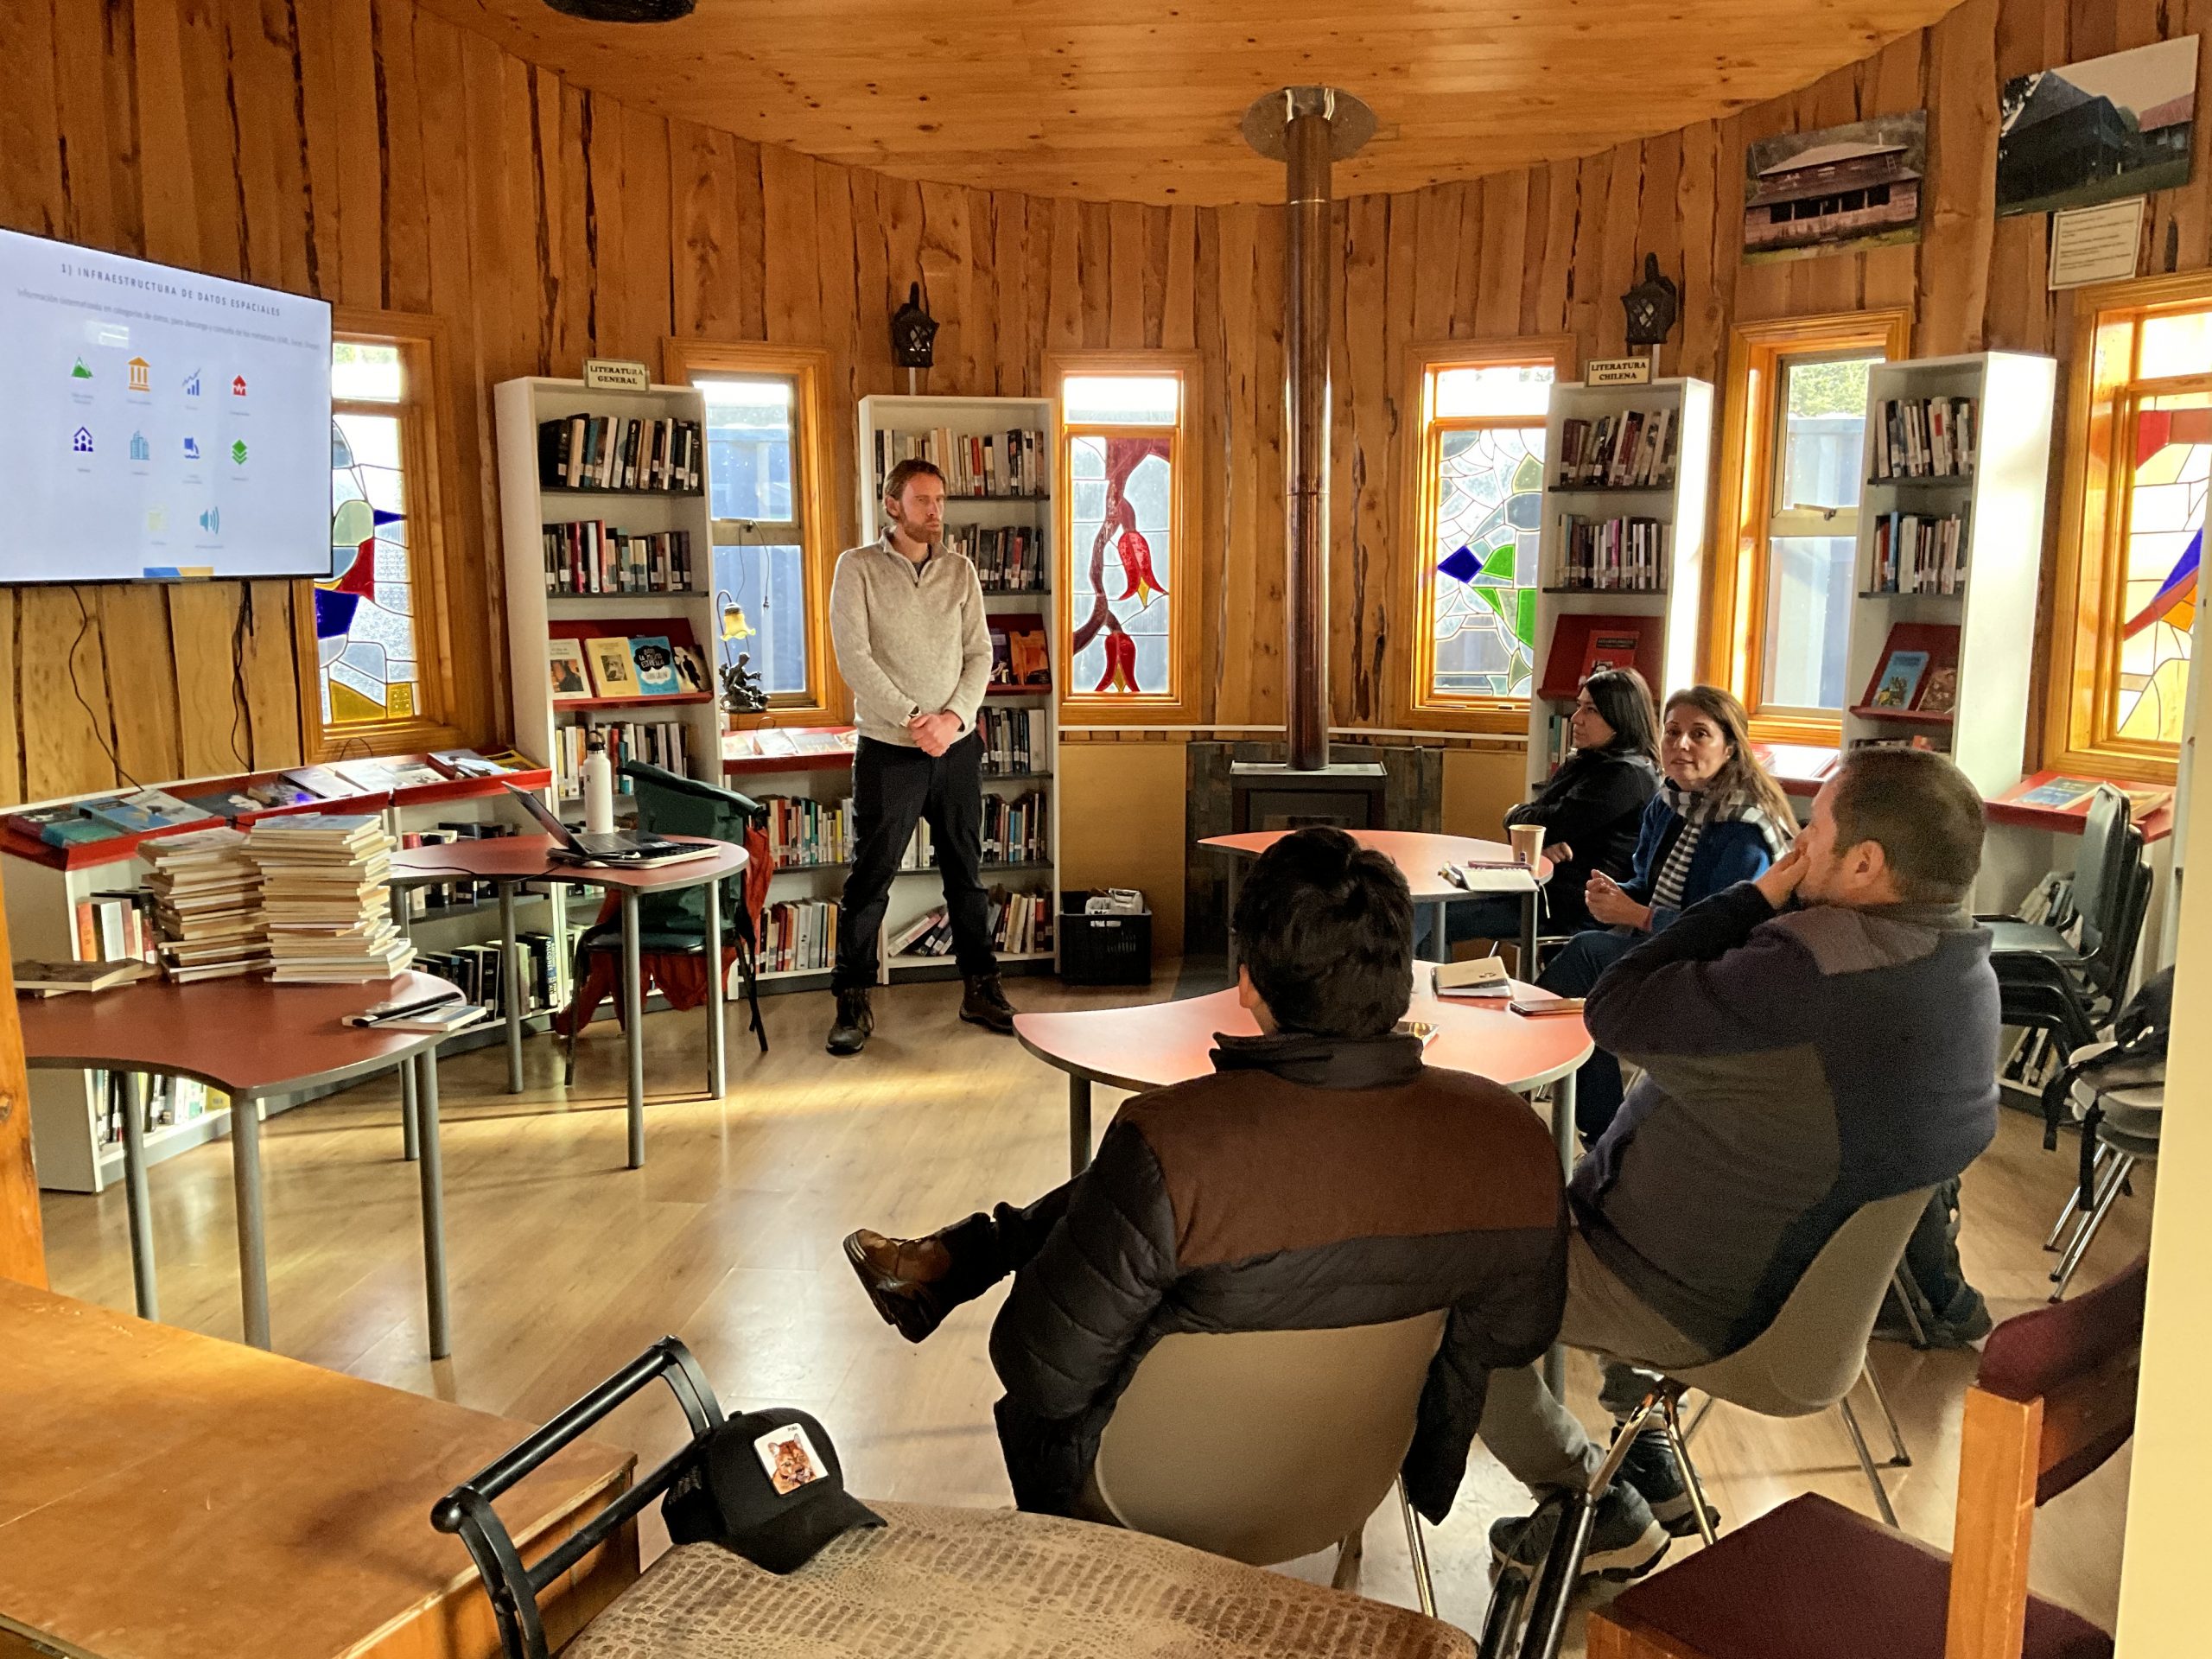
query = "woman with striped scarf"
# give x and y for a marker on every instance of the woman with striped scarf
(1719, 819)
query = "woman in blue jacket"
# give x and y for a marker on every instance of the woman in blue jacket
(1719, 819)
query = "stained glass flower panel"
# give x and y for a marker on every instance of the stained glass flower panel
(2165, 540)
(365, 614)
(1488, 517)
(1121, 497)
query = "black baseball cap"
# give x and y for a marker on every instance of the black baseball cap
(767, 1485)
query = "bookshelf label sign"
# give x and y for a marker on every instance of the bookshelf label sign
(616, 374)
(1617, 372)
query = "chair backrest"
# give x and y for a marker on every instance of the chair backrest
(2114, 957)
(669, 804)
(2099, 866)
(2055, 1398)
(1811, 1354)
(1264, 1446)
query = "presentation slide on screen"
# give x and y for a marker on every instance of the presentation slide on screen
(158, 422)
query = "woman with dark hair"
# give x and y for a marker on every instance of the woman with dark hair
(1590, 809)
(1717, 819)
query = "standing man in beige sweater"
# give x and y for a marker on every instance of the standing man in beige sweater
(906, 618)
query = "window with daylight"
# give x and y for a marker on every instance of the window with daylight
(1793, 464)
(765, 473)
(1125, 568)
(1481, 483)
(368, 646)
(2138, 467)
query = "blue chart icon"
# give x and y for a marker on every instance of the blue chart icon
(140, 449)
(192, 448)
(192, 384)
(211, 521)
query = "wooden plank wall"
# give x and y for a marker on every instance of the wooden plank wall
(370, 153)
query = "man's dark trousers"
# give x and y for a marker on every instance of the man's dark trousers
(894, 788)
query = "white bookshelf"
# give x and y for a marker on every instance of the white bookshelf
(527, 506)
(914, 891)
(1679, 504)
(2000, 501)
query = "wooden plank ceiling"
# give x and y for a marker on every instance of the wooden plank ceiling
(1104, 100)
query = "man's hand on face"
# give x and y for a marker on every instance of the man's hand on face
(935, 733)
(1781, 877)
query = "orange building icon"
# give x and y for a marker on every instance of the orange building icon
(140, 374)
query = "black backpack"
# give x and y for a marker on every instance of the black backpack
(2136, 1058)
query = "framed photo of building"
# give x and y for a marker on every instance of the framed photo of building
(1838, 190)
(2098, 129)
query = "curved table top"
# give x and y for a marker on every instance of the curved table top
(244, 1036)
(1418, 854)
(529, 858)
(1159, 1043)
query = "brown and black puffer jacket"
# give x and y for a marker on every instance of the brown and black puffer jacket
(1309, 1183)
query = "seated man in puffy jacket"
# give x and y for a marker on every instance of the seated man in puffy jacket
(1321, 1177)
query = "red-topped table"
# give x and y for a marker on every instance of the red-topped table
(1421, 858)
(255, 1042)
(509, 860)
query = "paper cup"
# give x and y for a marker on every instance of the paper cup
(1528, 844)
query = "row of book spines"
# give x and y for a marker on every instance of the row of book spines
(1020, 925)
(1924, 437)
(114, 927)
(1635, 447)
(1009, 742)
(1613, 554)
(1009, 559)
(799, 937)
(478, 970)
(615, 452)
(462, 889)
(1011, 462)
(803, 831)
(1013, 833)
(167, 1101)
(663, 743)
(585, 556)
(1911, 554)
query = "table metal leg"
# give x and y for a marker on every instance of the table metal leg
(1440, 931)
(1563, 1138)
(1228, 924)
(634, 1003)
(1078, 1125)
(135, 1197)
(1529, 900)
(407, 1141)
(253, 1257)
(717, 1036)
(434, 1204)
(511, 984)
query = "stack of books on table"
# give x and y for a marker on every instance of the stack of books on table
(326, 898)
(206, 905)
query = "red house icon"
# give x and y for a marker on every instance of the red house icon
(238, 385)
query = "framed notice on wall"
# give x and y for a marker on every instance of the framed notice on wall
(2096, 245)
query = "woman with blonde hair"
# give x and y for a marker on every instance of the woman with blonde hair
(1719, 818)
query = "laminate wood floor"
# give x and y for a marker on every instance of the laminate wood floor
(562, 1264)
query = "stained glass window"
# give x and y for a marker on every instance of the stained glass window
(1486, 448)
(2164, 541)
(1120, 481)
(365, 614)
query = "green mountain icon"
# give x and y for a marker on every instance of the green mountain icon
(80, 372)
(237, 453)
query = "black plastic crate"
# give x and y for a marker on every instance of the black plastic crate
(1103, 949)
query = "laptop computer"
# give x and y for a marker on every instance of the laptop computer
(617, 846)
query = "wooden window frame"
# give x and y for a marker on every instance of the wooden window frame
(825, 699)
(2084, 655)
(1182, 703)
(430, 463)
(1421, 710)
(1736, 589)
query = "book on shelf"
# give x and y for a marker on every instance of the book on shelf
(378, 777)
(1020, 924)
(167, 1103)
(35, 978)
(617, 452)
(566, 672)
(1009, 558)
(114, 927)
(1612, 555)
(2058, 793)
(780, 742)
(798, 936)
(1006, 463)
(613, 672)
(1013, 829)
(587, 556)
(474, 969)
(1924, 437)
(1915, 553)
(1632, 449)
(322, 783)
(1012, 740)
(802, 831)
(145, 810)
(466, 763)
(61, 826)
(653, 661)
(663, 743)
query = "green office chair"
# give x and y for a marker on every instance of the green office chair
(672, 926)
